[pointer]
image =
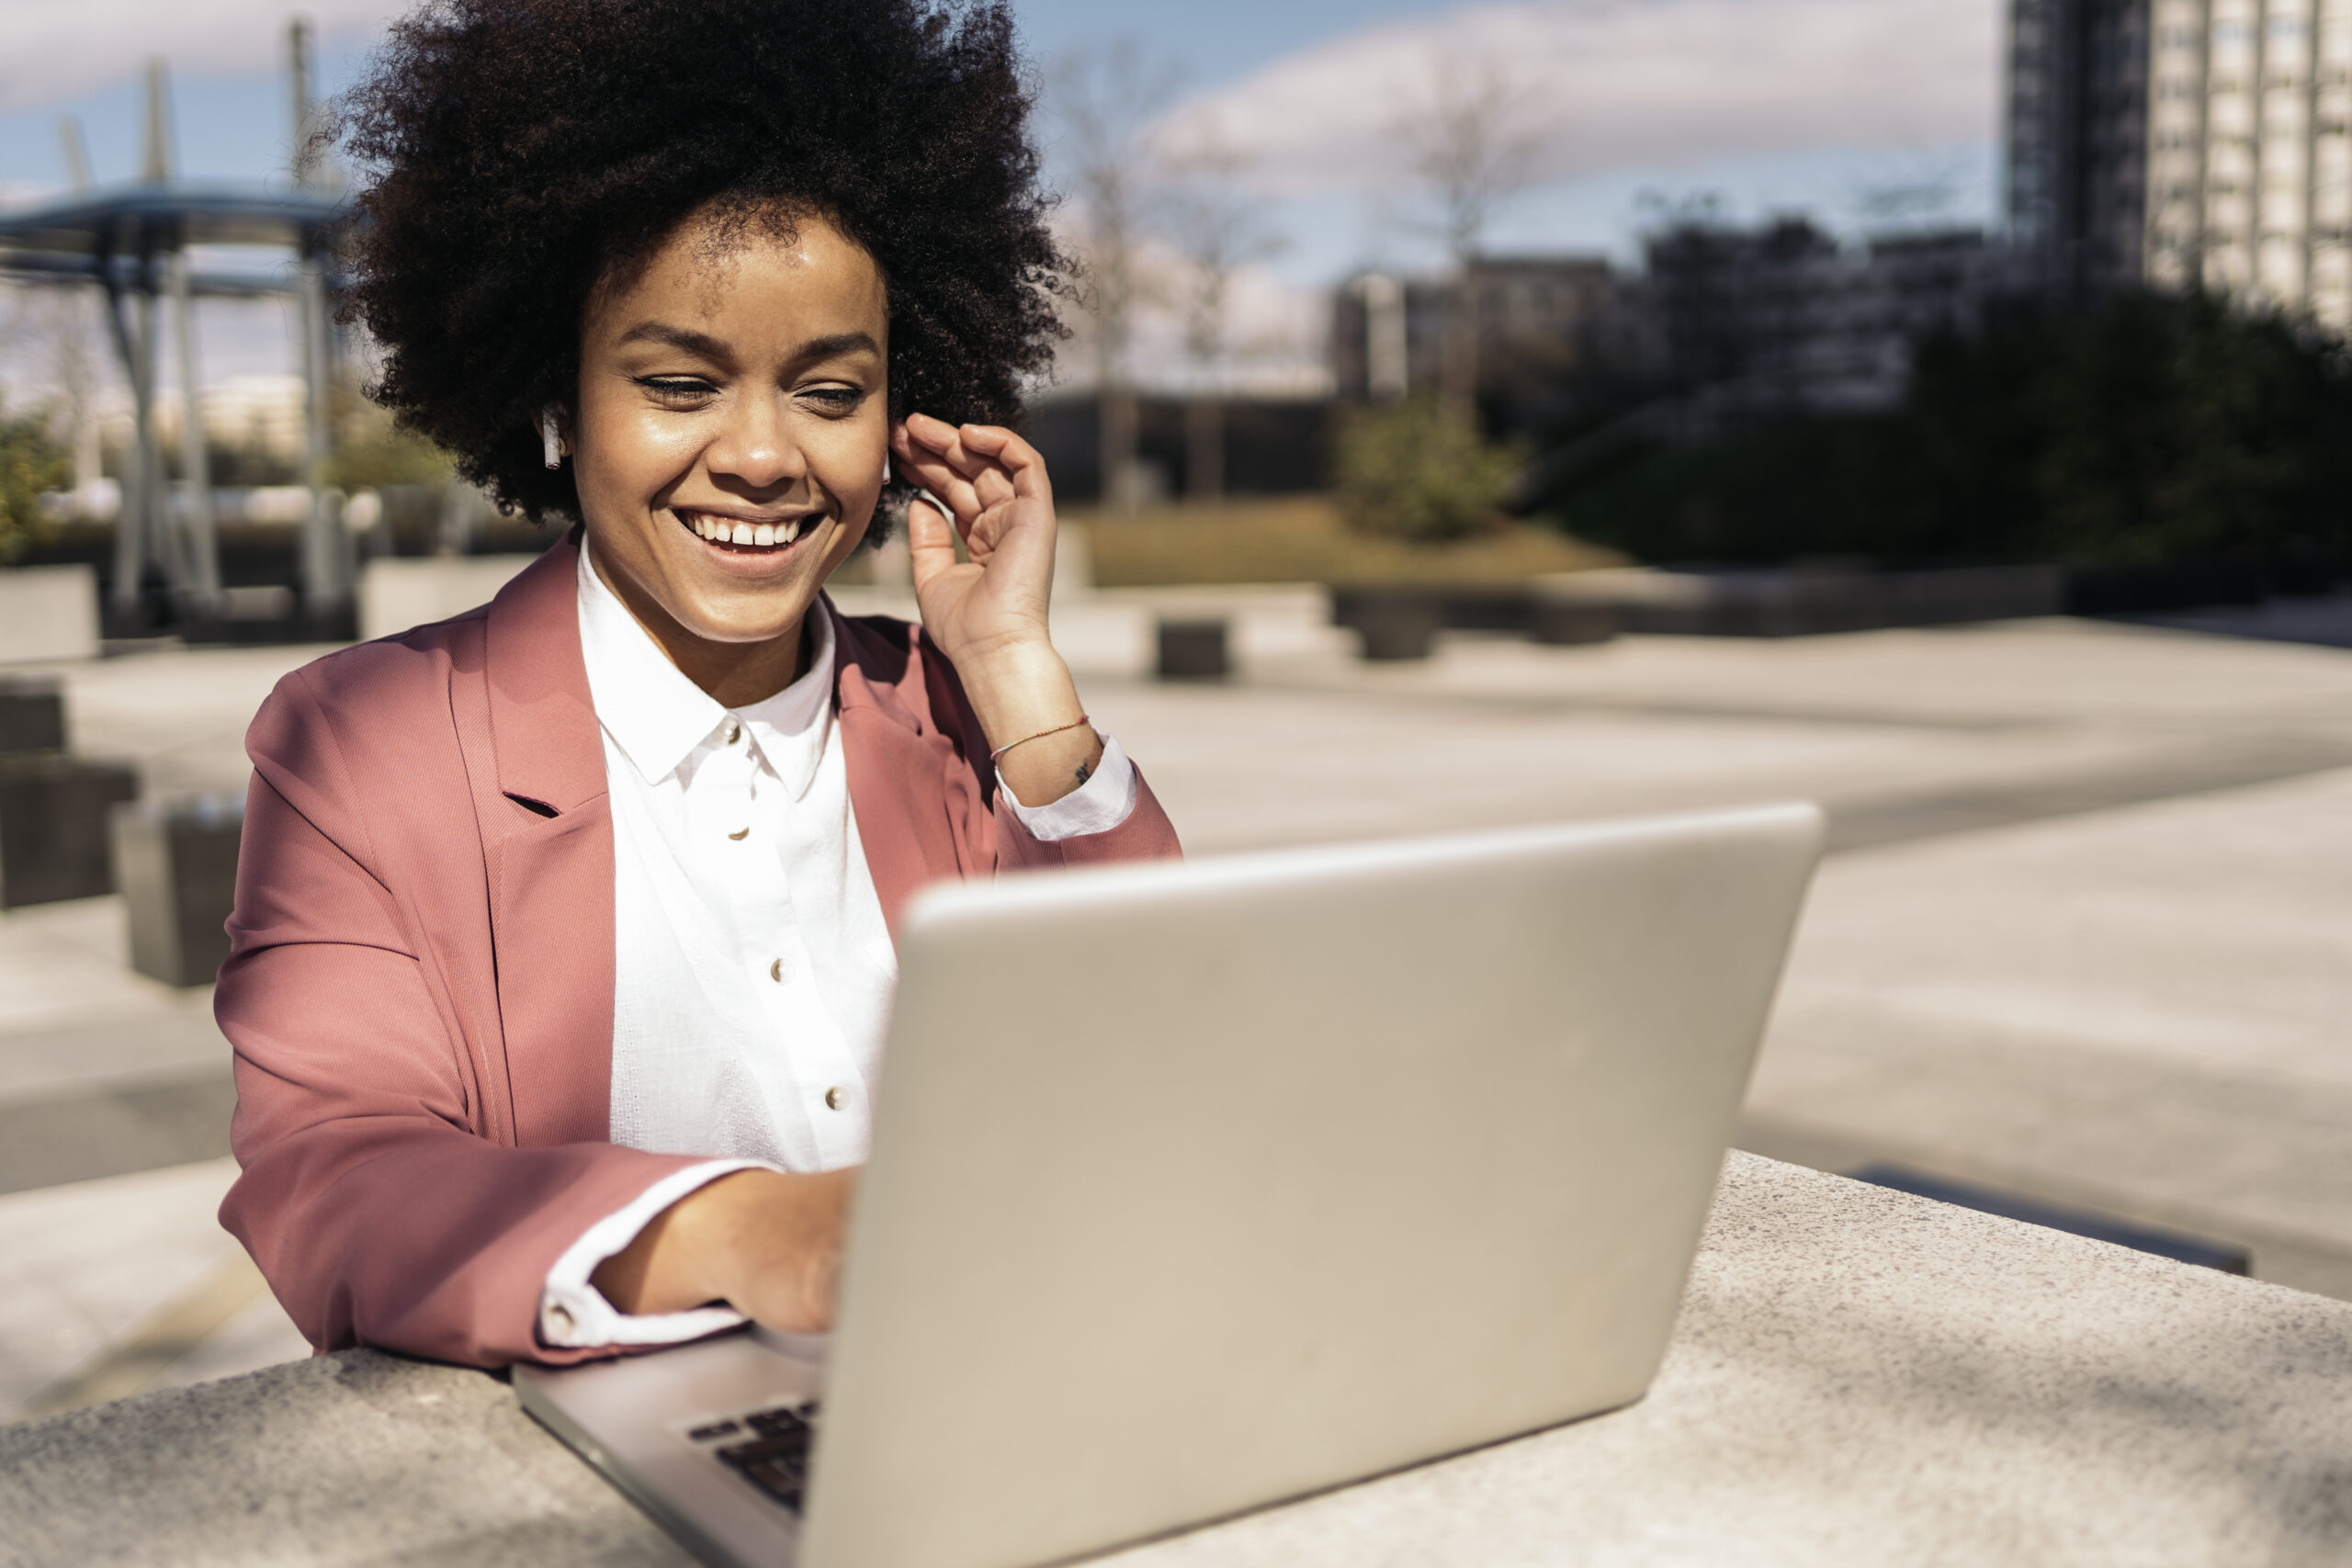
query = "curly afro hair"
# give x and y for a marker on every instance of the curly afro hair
(522, 150)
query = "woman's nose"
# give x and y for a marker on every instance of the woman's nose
(755, 446)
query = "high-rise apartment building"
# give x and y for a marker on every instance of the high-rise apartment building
(2250, 152)
(2079, 142)
(2183, 143)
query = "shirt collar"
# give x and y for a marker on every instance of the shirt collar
(791, 728)
(659, 718)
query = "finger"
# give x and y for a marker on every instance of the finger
(944, 443)
(931, 542)
(1020, 462)
(997, 484)
(953, 491)
(925, 431)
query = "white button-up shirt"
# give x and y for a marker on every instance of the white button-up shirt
(753, 972)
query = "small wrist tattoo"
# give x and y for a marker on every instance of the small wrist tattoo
(1084, 773)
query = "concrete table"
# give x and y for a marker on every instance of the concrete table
(1860, 1378)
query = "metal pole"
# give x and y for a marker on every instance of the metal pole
(201, 539)
(134, 535)
(77, 153)
(304, 165)
(155, 502)
(157, 166)
(323, 551)
(129, 552)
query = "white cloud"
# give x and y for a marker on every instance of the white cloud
(1626, 83)
(53, 49)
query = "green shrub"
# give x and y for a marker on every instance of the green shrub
(1411, 470)
(32, 461)
(2143, 429)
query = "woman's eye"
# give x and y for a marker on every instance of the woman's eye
(677, 389)
(835, 399)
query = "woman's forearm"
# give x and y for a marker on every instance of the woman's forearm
(1025, 699)
(766, 1243)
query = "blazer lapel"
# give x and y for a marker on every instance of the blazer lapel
(917, 808)
(551, 861)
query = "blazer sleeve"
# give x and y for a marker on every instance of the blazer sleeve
(1146, 834)
(370, 1197)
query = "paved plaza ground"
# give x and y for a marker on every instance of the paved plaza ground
(2085, 931)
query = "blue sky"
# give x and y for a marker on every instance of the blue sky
(1769, 106)
(231, 117)
(233, 122)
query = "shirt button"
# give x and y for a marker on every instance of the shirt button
(733, 732)
(776, 971)
(836, 1097)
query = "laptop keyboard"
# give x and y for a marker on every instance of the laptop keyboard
(770, 1449)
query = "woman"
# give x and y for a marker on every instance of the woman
(561, 951)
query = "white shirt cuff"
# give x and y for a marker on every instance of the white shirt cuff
(1106, 799)
(574, 1314)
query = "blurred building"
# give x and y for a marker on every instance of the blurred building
(1748, 323)
(1534, 325)
(2250, 152)
(2184, 143)
(1724, 324)
(1272, 445)
(2079, 142)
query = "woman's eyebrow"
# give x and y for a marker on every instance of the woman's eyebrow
(838, 344)
(708, 347)
(681, 338)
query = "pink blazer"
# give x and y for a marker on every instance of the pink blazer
(419, 982)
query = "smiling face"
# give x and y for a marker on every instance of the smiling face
(728, 438)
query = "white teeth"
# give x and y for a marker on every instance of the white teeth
(762, 535)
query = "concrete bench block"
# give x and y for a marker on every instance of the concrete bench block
(32, 713)
(1564, 623)
(53, 837)
(1390, 623)
(1193, 650)
(176, 864)
(48, 613)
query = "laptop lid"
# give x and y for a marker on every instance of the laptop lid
(1196, 1187)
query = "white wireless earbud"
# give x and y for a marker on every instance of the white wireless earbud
(550, 438)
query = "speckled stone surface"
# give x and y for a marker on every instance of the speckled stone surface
(1859, 1378)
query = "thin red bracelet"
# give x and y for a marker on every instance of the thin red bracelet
(1039, 736)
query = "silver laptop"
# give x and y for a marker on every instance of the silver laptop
(1199, 1187)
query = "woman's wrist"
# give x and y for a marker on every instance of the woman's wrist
(1019, 690)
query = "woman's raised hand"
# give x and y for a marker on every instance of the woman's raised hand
(1004, 510)
(988, 614)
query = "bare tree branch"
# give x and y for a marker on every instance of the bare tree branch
(1475, 138)
(1102, 99)
(1218, 229)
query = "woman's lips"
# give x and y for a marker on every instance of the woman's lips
(734, 533)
